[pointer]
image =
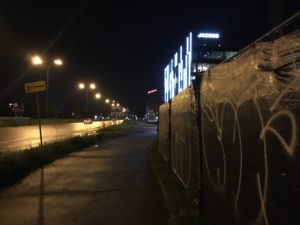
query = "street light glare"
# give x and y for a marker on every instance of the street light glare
(81, 86)
(36, 60)
(58, 62)
(92, 86)
(113, 105)
(98, 96)
(118, 104)
(107, 100)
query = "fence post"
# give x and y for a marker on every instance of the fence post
(197, 91)
(169, 134)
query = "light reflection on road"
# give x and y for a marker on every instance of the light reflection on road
(25, 137)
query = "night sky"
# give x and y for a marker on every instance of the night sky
(122, 46)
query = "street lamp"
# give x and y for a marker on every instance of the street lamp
(58, 62)
(91, 86)
(107, 101)
(36, 60)
(97, 95)
(81, 86)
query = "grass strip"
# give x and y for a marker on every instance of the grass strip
(14, 166)
(179, 200)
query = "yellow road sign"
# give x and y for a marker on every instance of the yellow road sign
(35, 86)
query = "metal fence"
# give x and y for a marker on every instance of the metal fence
(248, 124)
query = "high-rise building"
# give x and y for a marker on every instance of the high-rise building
(199, 53)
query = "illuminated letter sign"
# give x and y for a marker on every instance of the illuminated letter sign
(167, 82)
(209, 35)
(177, 74)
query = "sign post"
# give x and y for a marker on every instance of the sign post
(36, 87)
(39, 116)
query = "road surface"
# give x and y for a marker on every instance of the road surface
(24, 137)
(110, 184)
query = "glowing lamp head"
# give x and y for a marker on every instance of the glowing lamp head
(118, 104)
(107, 101)
(98, 96)
(81, 86)
(113, 105)
(58, 62)
(92, 86)
(36, 60)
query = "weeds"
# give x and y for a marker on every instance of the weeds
(14, 166)
(179, 201)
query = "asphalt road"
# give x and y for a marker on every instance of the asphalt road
(110, 184)
(18, 138)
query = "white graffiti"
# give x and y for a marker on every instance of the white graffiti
(182, 166)
(244, 82)
(261, 88)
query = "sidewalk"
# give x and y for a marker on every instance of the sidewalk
(109, 184)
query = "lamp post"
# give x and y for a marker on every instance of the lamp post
(91, 86)
(38, 61)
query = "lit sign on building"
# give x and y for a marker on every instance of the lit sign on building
(209, 35)
(197, 55)
(177, 74)
(152, 91)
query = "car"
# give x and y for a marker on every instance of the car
(87, 121)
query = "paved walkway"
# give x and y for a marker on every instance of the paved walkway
(109, 184)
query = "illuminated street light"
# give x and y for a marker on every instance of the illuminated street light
(92, 86)
(113, 104)
(107, 101)
(58, 62)
(97, 95)
(118, 104)
(36, 60)
(81, 86)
